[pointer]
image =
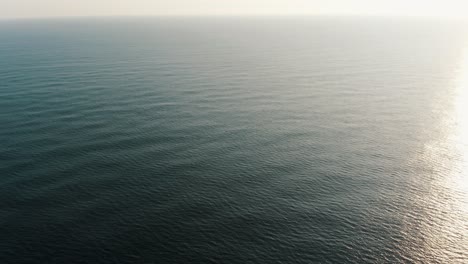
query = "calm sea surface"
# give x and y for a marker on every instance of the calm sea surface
(233, 140)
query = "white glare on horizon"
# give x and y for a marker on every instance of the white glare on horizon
(60, 8)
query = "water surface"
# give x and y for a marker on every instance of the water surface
(233, 140)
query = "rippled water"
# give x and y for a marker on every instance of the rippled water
(240, 140)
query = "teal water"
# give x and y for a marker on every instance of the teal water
(233, 140)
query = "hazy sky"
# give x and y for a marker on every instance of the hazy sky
(52, 8)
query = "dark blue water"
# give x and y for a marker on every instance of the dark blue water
(233, 140)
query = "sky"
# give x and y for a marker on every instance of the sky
(66, 8)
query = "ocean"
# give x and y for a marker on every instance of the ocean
(233, 140)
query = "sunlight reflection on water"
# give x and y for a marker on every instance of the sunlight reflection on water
(445, 200)
(461, 131)
(453, 187)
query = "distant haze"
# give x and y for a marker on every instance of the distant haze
(61, 8)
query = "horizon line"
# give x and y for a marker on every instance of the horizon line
(260, 15)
